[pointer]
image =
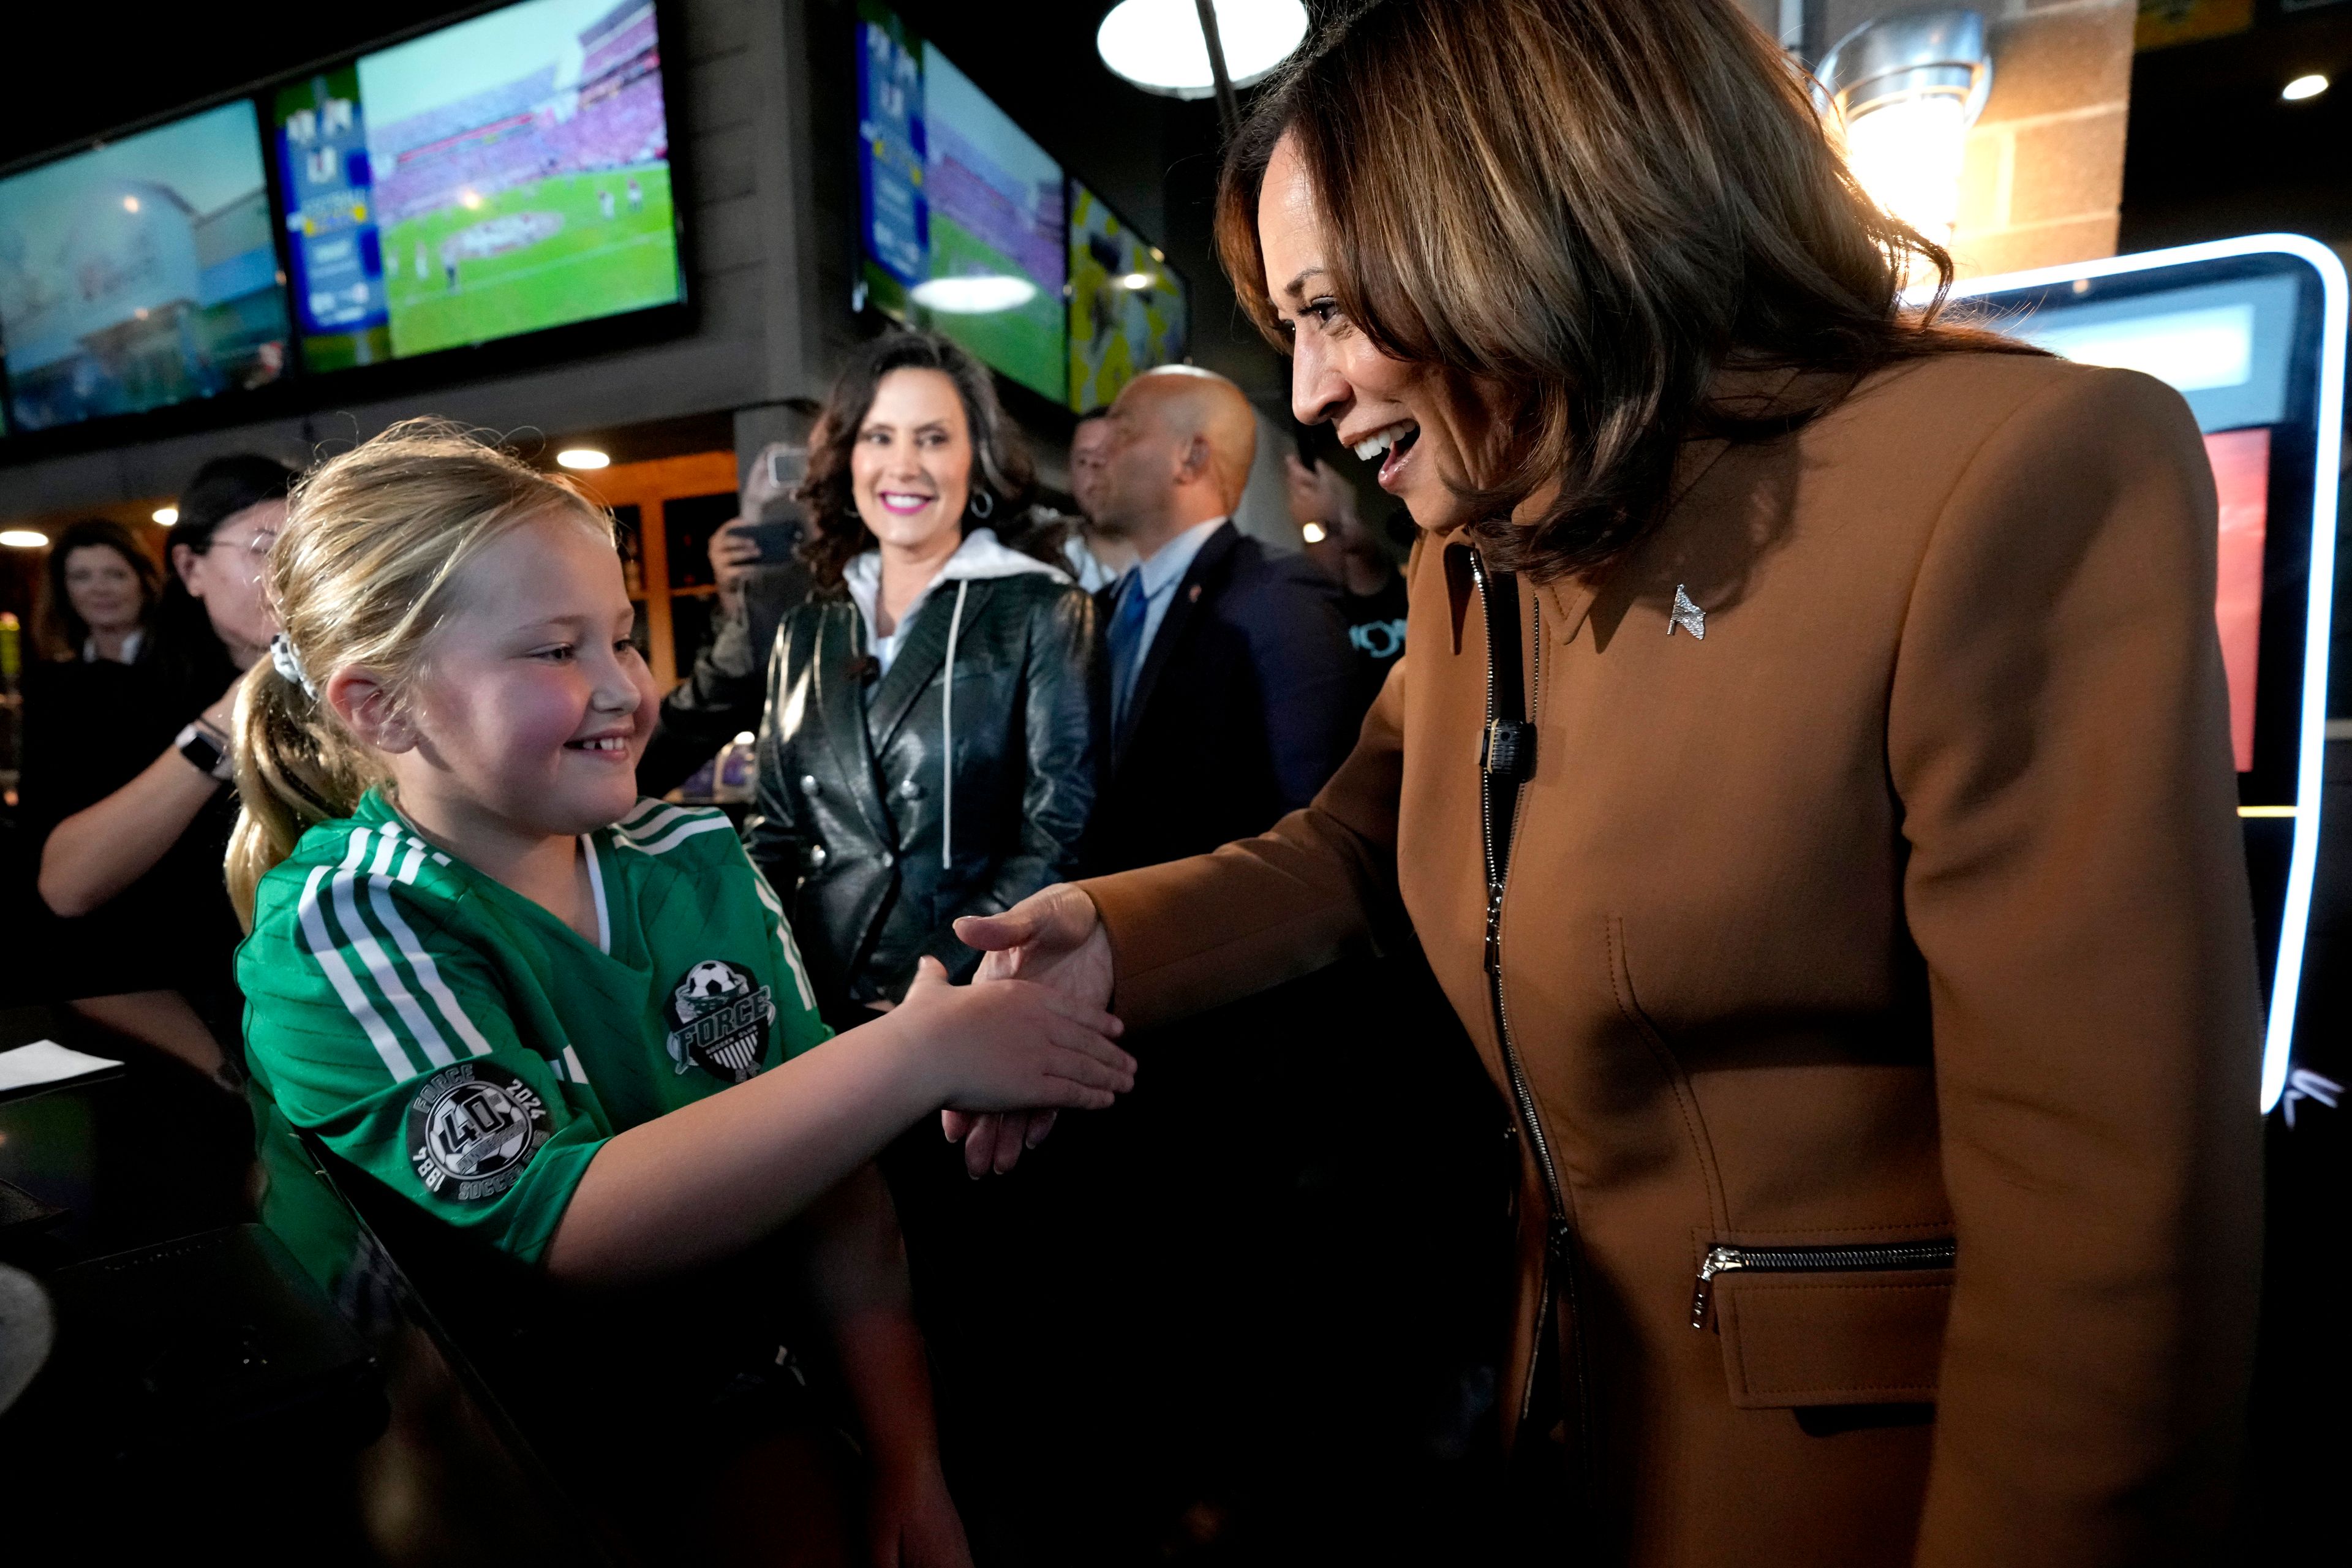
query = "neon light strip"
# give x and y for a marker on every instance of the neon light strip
(2304, 860)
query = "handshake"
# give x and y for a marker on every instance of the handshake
(1052, 939)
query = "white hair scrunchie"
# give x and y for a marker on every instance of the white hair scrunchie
(288, 663)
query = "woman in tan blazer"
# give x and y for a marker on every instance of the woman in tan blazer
(1810, 780)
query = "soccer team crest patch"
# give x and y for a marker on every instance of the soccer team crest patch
(471, 1130)
(718, 1018)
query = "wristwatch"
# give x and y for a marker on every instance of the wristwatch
(205, 753)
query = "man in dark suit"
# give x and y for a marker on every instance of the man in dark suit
(1229, 666)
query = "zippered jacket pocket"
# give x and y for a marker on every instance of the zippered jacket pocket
(1830, 1325)
(1866, 1257)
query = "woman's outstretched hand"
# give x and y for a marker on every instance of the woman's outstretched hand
(1052, 938)
(1013, 1045)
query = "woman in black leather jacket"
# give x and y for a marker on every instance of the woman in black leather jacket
(923, 638)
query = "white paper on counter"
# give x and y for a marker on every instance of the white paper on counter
(45, 1061)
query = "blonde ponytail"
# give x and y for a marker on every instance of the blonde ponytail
(295, 768)
(360, 576)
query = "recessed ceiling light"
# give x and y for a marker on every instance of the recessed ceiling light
(1138, 281)
(1311, 531)
(167, 515)
(1157, 46)
(23, 539)
(981, 296)
(584, 457)
(2304, 86)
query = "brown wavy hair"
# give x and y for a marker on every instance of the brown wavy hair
(1585, 208)
(59, 630)
(1000, 467)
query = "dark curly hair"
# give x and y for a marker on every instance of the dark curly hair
(1001, 468)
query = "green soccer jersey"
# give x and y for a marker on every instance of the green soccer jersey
(473, 1052)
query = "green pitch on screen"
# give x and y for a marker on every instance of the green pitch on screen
(1024, 343)
(569, 262)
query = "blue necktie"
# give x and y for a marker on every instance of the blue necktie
(1126, 640)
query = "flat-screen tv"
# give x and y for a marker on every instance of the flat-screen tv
(1129, 312)
(961, 211)
(500, 176)
(140, 274)
(2251, 332)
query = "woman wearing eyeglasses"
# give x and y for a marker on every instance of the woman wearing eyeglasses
(125, 786)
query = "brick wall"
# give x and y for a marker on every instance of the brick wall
(2043, 177)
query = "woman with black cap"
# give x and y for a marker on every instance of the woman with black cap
(125, 783)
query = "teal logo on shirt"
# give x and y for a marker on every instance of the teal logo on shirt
(471, 1130)
(718, 1018)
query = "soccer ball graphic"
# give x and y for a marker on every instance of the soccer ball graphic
(708, 984)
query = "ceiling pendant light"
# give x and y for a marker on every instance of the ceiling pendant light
(1158, 45)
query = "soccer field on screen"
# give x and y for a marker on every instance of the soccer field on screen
(572, 264)
(1025, 343)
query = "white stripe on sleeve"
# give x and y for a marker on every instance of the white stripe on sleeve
(684, 831)
(652, 822)
(786, 948)
(767, 894)
(789, 950)
(362, 940)
(347, 985)
(428, 973)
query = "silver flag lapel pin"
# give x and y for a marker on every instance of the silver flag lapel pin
(1685, 615)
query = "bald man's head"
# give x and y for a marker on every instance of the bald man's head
(1182, 442)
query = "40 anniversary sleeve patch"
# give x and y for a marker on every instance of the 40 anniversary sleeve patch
(471, 1130)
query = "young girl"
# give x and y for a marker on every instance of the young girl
(566, 1022)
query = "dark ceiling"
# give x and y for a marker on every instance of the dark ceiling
(137, 61)
(2214, 152)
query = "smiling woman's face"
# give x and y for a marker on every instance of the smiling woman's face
(103, 589)
(910, 467)
(1386, 409)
